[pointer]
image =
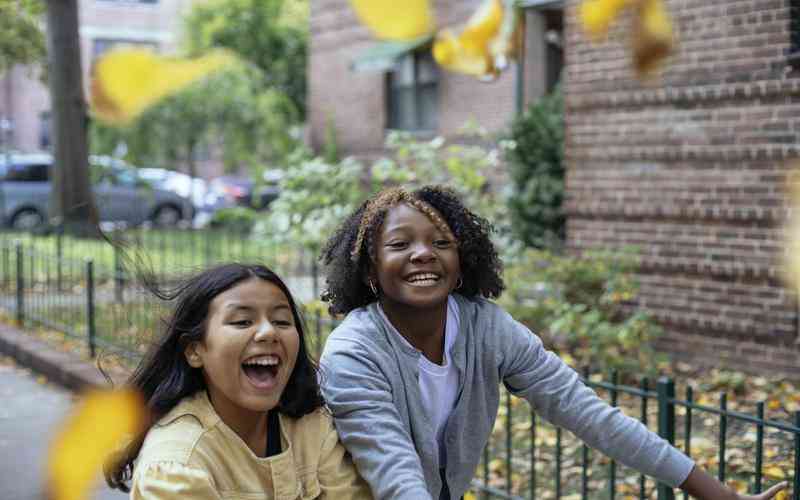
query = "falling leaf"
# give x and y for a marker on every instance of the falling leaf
(652, 36)
(485, 44)
(597, 15)
(652, 40)
(393, 20)
(126, 81)
(792, 264)
(98, 425)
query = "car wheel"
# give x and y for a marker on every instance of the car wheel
(27, 219)
(166, 216)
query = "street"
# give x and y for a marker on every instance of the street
(30, 412)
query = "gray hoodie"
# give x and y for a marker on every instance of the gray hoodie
(370, 382)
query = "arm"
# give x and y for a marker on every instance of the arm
(556, 392)
(337, 474)
(700, 485)
(172, 481)
(369, 425)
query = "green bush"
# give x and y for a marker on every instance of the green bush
(235, 219)
(581, 307)
(317, 194)
(535, 163)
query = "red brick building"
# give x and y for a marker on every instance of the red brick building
(409, 92)
(689, 167)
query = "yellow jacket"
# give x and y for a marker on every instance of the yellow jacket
(192, 454)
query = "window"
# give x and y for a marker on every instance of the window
(132, 1)
(31, 172)
(44, 130)
(544, 47)
(103, 45)
(794, 33)
(412, 88)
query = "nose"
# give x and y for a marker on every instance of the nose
(266, 332)
(422, 252)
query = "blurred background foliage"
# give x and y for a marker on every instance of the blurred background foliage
(535, 165)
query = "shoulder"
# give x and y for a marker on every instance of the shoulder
(358, 335)
(482, 313)
(177, 435)
(319, 420)
(313, 431)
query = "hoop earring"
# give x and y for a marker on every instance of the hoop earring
(372, 287)
(459, 283)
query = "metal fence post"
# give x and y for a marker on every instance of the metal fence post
(119, 279)
(59, 258)
(666, 425)
(20, 285)
(90, 320)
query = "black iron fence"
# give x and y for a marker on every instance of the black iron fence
(88, 292)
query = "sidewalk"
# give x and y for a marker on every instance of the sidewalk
(66, 369)
(31, 412)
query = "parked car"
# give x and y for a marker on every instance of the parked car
(197, 190)
(121, 195)
(244, 192)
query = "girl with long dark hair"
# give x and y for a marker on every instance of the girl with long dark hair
(236, 408)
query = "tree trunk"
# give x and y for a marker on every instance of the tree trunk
(71, 202)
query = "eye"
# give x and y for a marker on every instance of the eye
(241, 323)
(397, 244)
(282, 323)
(443, 243)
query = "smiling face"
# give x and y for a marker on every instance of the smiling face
(249, 350)
(417, 264)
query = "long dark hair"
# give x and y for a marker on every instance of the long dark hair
(164, 377)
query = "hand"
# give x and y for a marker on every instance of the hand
(701, 485)
(770, 493)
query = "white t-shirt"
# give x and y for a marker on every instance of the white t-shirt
(437, 383)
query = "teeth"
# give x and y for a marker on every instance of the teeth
(422, 277)
(267, 360)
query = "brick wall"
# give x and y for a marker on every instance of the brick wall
(355, 102)
(690, 168)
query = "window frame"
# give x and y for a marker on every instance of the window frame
(393, 89)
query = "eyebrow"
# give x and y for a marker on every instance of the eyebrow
(238, 306)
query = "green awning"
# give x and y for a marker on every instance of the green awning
(383, 56)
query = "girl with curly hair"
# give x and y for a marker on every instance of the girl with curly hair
(412, 374)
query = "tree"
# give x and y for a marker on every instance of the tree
(72, 203)
(271, 34)
(229, 112)
(21, 37)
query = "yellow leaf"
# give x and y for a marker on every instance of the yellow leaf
(98, 425)
(127, 81)
(792, 231)
(781, 495)
(396, 20)
(485, 43)
(652, 41)
(597, 15)
(774, 472)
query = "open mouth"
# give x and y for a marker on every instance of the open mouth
(262, 371)
(423, 279)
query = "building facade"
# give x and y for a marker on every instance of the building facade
(364, 98)
(688, 166)
(24, 98)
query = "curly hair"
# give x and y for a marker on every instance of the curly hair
(349, 253)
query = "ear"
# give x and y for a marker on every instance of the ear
(192, 355)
